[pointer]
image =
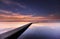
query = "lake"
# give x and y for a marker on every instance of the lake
(7, 26)
(42, 31)
(35, 31)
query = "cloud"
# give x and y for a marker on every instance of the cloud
(10, 2)
(10, 16)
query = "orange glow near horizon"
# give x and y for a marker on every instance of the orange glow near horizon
(20, 17)
(11, 17)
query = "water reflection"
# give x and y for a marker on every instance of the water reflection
(7, 26)
(42, 31)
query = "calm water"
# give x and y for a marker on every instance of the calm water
(7, 26)
(42, 31)
(35, 31)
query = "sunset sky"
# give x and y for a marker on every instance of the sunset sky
(44, 15)
(29, 10)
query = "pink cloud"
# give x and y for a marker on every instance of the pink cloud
(24, 18)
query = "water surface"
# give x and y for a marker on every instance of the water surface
(7, 26)
(42, 31)
(35, 31)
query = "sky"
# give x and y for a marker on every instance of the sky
(30, 10)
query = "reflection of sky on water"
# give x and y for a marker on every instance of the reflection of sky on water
(7, 26)
(42, 31)
(35, 31)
